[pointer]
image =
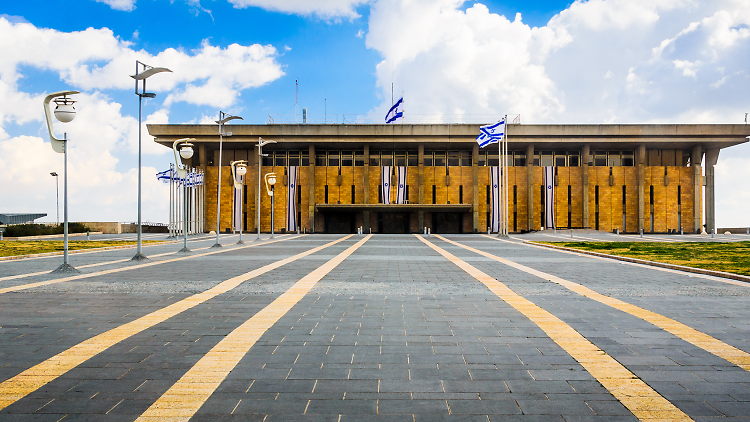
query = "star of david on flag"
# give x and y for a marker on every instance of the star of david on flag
(491, 134)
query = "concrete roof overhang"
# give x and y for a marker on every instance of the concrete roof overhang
(460, 136)
(393, 207)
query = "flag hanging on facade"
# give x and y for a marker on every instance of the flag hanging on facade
(396, 112)
(401, 187)
(495, 193)
(237, 209)
(385, 184)
(291, 200)
(549, 197)
(491, 134)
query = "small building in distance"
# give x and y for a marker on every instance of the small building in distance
(633, 177)
(19, 218)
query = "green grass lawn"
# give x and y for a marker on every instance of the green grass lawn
(728, 257)
(14, 248)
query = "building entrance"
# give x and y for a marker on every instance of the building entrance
(339, 223)
(393, 222)
(446, 223)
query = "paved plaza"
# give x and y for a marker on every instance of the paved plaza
(371, 328)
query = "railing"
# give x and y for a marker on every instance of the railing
(369, 119)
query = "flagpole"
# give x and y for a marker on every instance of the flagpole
(505, 163)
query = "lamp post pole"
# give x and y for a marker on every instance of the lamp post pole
(142, 76)
(64, 112)
(239, 169)
(186, 152)
(223, 118)
(270, 183)
(261, 142)
(57, 194)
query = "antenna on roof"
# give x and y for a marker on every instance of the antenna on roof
(296, 98)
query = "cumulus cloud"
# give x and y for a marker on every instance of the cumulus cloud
(598, 61)
(103, 138)
(124, 5)
(323, 8)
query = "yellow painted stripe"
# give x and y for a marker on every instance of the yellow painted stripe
(37, 376)
(642, 400)
(188, 394)
(690, 335)
(132, 267)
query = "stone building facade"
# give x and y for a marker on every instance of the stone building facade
(607, 177)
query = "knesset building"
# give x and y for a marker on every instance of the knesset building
(649, 177)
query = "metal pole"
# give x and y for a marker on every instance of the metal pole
(65, 204)
(272, 198)
(257, 200)
(218, 190)
(138, 252)
(242, 214)
(57, 197)
(185, 220)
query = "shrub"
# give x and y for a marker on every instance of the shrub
(22, 230)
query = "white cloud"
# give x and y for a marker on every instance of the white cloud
(103, 140)
(124, 5)
(323, 8)
(677, 61)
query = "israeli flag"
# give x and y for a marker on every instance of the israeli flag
(401, 188)
(385, 184)
(396, 112)
(166, 175)
(291, 200)
(491, 134)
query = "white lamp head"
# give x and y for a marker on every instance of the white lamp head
(64, 110)
(186, 151)
(241, 169)
(272, 180)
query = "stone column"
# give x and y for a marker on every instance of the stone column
(640, 160)
(203, 166)
(475, 186)
(530, 187)
(585, 158)
(712, 156)
(311, 190)
(366, 214)
(695, 163)
(420, 187)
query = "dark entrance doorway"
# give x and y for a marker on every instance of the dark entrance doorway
(393, 222)
(340, 223)
(446, 222)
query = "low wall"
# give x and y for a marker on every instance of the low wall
(104, 227)
(733, 230)
(133, 228)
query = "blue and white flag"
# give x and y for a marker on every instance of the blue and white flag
(385, 184)
(401, 188)
(396, 112)
(491, 134)
(170, 176)
(166, 175)
(549, 197)
(291, 200)
(495, 193)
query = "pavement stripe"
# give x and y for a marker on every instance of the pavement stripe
(690, 335)
(187, 395)
(132, 267)
(117, 261)
(643, 401)
(37, 376)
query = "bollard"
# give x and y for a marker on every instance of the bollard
(488, 231)
(1, 235)
(555, 230)
(712, 233)
(641, 232)
(425, 230)
(571, 234)
(297, 230)
(747, 231)
(681, 233)
(428, 232)
(370, 230)
(88, 236)
(618, 230)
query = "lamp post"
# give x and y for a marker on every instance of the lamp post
(271, 181)
(57, 194)
(239, 168)
(64, 112)
(142, 75)
(186, 152)
(223, 119)
(261, 143)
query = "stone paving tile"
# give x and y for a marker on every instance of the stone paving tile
(394, 333)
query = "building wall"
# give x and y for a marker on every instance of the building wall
(670, 210)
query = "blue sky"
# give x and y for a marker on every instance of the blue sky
(595, 61)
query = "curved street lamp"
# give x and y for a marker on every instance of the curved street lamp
(185, 151)
(64, 112)
(142, 75)
(261, 143)
(271, 181)
(239, 169)
(223, 119)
